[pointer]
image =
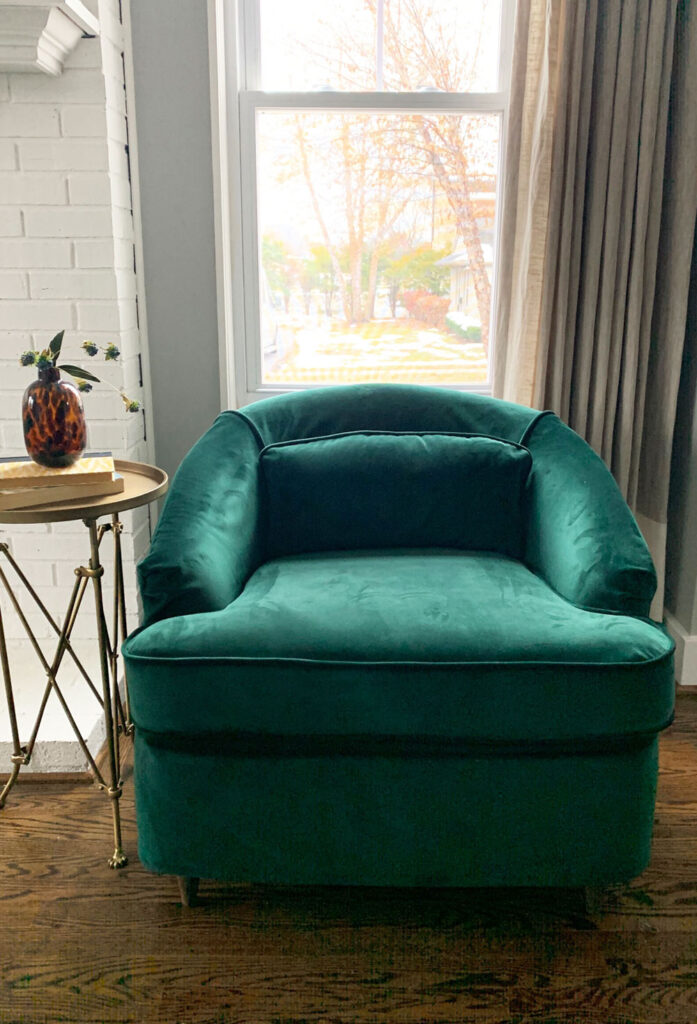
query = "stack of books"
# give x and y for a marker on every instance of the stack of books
(25, 484)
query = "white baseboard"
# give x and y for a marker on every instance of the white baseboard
(51, 755)
(685, 652)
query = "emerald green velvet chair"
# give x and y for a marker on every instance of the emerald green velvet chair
(396, 636)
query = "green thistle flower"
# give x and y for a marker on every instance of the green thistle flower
(84, 379)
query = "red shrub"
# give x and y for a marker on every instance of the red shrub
(430, 309)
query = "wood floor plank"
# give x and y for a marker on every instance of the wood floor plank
(82, 943)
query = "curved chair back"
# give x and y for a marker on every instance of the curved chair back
(400, 407)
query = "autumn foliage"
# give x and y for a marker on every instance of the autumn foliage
(429, 309)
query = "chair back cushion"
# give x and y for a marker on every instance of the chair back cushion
(370, 489)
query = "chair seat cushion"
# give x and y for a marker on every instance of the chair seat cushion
(431, 645)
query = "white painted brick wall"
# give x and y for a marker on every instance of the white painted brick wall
(83, 122)
(89, 189)
(62, 155)
(8, 158)
(28, 120)
(32, 188)
(10, 220)
(66, 261)
(78, 284)
(29, 253)
(67, 222)
(13, 284)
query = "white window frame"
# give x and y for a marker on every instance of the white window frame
(235, 77)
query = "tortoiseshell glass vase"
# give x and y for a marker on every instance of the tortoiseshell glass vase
(54, 420)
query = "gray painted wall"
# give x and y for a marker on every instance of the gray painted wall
(172, 102)
(681, 554)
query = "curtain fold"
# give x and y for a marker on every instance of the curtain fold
(534, 83)
(598, 220)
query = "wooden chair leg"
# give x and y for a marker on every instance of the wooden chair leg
(592, 899)
(188, 888)
(601, 899)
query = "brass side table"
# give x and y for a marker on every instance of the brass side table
(143, 484)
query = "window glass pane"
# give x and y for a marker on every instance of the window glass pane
(447, 45)
(376, 237)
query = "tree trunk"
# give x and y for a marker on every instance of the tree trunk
(355, 237)
(333, 255)
(372, 285)
(460, 200)
(356, 259)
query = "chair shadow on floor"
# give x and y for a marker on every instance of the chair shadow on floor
(509, 910)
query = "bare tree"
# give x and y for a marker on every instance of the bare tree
(380, 164)
(366, 168)
(418, 50)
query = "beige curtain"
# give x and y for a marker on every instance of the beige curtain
(598, 222)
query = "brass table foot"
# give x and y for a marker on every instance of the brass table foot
(118, 859)
(9, 784)
(18, 759)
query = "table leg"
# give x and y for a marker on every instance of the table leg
(109, 780)
(120, 620)
(96, 571)
(18, 753)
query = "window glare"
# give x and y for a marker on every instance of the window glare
(310, 45)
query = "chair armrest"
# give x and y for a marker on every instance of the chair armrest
(582, 537)
(207, 539)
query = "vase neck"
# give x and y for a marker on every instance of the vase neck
(49, 374)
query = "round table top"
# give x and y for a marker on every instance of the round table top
(142, 484)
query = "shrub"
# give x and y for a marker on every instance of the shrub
(457, 324)
(424, 306)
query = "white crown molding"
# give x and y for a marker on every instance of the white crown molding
(37, 35)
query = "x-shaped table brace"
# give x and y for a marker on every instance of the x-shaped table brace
(116, 712)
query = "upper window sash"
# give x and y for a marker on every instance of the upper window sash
(249, 59)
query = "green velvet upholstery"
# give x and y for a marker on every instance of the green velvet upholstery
(342, 643)
(581, 536)
(376, 820)
(214, 499)
(338, 410)
(373, 490)
(377, 651)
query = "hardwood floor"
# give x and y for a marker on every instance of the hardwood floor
(79, 942)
